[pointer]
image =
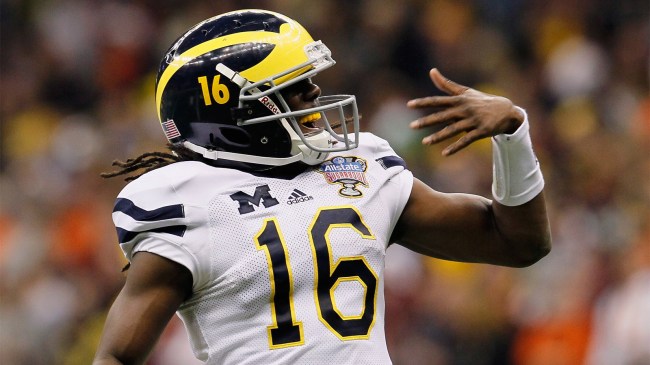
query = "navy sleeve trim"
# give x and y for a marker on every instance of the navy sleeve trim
(127, 207)
(125, 236)
(391, 161)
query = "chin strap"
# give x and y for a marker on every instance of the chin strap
(260, 160)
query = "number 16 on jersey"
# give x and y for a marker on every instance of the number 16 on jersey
(286, 329)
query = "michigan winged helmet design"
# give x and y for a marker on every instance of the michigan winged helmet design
(219, 92)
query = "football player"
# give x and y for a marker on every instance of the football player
(266, 225)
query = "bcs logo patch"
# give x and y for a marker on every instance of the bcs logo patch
(348, 171)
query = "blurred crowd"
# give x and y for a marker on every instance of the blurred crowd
(76, 86)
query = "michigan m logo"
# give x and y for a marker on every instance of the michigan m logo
(246, 201)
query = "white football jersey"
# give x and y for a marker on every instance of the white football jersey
(285, 270)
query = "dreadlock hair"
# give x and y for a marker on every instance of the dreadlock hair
(149, 161)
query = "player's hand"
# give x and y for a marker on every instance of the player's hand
(464, 110)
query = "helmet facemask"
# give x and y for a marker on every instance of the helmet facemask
(330, 117)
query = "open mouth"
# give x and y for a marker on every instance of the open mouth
(309, 121)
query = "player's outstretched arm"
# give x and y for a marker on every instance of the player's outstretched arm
(155, 287)
(512, 229)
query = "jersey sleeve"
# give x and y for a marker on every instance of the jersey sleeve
(150, 216)
(399, 182)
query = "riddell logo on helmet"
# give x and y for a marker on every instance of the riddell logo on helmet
(270, 104)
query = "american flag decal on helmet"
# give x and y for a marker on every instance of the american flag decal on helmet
(169, 127)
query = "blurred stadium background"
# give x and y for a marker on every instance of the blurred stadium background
(77, 92)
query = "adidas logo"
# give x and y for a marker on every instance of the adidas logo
(298, 196)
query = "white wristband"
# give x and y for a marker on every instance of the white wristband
(517, 177)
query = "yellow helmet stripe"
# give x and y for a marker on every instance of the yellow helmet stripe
(292, 55)
(275, 62)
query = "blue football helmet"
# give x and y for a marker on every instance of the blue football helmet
(219, 92)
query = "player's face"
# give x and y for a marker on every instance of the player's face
(300, 96)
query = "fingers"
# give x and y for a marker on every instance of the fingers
(449, 131)
(441, 117)
(446, 85)
(455, 115)
(469, 138)
(433, 102)
(472, 131)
